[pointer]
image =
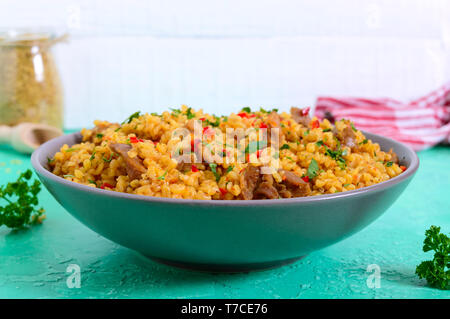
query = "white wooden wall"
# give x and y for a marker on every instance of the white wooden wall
(222, 55)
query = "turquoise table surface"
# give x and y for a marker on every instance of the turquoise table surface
(36, 262)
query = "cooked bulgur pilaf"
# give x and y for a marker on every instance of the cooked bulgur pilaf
(311, 157)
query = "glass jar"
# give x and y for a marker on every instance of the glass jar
(30, 85)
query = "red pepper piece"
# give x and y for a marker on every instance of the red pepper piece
(315, 124)
(106, 185)
(243, 115)
(305, 111)
(194, 168)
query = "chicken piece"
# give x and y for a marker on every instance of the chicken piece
(248, 181)
(299, 116)
(266, 190)
(295, 184)
(134, 166)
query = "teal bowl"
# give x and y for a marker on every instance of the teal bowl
(229, 235)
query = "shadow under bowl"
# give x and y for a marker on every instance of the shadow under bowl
(229, 235)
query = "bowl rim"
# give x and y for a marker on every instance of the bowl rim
(61, 140)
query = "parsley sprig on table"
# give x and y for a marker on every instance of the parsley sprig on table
(436, 271)
(21, 200)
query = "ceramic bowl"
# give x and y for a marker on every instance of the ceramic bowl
(229, 235)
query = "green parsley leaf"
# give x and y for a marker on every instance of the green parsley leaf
(20, 199)
(230, 168)
(389, 164)
(163, 176)
(313, 169)
(213, 124)
(436, 271)
(326, 130)
(213, 167)
(107, 160)
(284, 147)
(131, 117)
(364, 142)
(353, 126)
(176, 111)
(246, 109)
(99, 135)
(189, 114)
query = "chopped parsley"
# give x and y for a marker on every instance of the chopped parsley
(313, 169)
(216, 123)
(284, 147)
(337, 156)
(353, 127)
(189, 114)
(99, 135)
(131, 117)
(213, 167)
(176, 111)
(163, 176)
(230, 168)
(107, 160)
(306, 132)
(389, 164)
(246, 109)
(327, 130)
(364, 142)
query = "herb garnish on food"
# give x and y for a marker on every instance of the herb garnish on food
(163, 176)
(131, 117)
(189, 114)
(21, 201)
(436, 271)
(313, 169)
(213, 167)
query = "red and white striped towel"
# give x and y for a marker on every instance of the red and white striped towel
(421, 123)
